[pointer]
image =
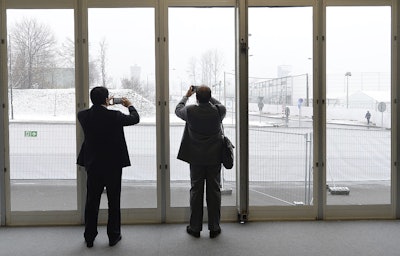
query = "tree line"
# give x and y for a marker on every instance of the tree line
(37, 61)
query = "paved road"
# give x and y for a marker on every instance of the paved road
(279, 158)
(34, 195)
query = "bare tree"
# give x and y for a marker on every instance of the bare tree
(217, 65)
(33, 46)
(67, 54)
(192, 71)
(133, 84)
(94, 74)
(211, 67)
(206, 68)
(103, 61)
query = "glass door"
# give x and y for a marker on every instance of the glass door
(358, 88)
(201, 52)
(122, 58)
(280, 107)
(41, 93)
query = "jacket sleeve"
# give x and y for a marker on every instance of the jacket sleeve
(81, 156)
(131, 119)
(180, 109)
(221, 107)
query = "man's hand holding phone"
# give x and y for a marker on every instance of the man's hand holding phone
(191, 91)
(123, 101)
(126, 102)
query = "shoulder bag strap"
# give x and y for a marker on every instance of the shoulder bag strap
(222, 125)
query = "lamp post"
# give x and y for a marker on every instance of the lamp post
(307, 84)
(347, 88)
(224, 88)
(307, 94)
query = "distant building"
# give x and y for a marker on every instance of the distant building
(135, 72)
(284, 70)
(369, 100)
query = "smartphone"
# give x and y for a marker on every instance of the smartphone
(116, 101)
(194, 88)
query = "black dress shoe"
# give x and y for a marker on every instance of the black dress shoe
(190, 231)
(115, 241)
(214, 234)
(89, 244)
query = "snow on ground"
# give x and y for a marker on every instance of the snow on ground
(273, 153)
(59, 104)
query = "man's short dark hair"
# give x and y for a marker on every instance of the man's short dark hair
(203, 94)
(99, 95)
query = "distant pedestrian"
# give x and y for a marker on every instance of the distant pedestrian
(368, 116)
(260, 106)
(287, 113)
(260, 103)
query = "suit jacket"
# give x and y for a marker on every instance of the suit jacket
(202, 138)
(104, 145)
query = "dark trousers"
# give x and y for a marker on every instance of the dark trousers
(96, 181)
(211, 174)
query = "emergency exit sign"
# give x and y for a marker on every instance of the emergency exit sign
(30, 133)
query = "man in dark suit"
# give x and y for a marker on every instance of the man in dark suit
(201, 147)
(103, 154)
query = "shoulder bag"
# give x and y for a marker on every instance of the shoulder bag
(227, 147)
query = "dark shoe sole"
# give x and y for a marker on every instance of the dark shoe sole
(214, 234)
(112, 243)
(192, 233)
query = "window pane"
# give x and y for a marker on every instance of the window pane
(121, 57)
(358, 82)
(42, 109)
(201, 52)
(280, 107)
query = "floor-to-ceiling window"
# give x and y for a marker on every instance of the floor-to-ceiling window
(41, 96)
(280, 106)
(123, 49)
(201, 51)
(358, 105)
(122, 58)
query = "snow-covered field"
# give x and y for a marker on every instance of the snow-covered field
(59, 104)
(276, 153)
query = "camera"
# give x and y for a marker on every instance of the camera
(116, 101)
(194, 88)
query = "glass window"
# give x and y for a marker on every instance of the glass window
(201, 51)
(280, 106)
(41, 93)
(358, 105)
(122, 58)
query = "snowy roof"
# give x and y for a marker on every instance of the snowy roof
(380, 96)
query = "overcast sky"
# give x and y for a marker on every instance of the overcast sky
(358, 38)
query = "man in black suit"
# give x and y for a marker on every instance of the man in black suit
(103, 154)
(201, 147)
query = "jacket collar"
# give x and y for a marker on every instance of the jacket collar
(99, 107)
(204, 104)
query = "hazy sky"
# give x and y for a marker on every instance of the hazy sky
(358, 38)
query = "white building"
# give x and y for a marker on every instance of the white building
(369, 100)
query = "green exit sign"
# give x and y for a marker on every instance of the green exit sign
(30, 133)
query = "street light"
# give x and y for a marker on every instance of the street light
(307, 84)
(347, 88)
